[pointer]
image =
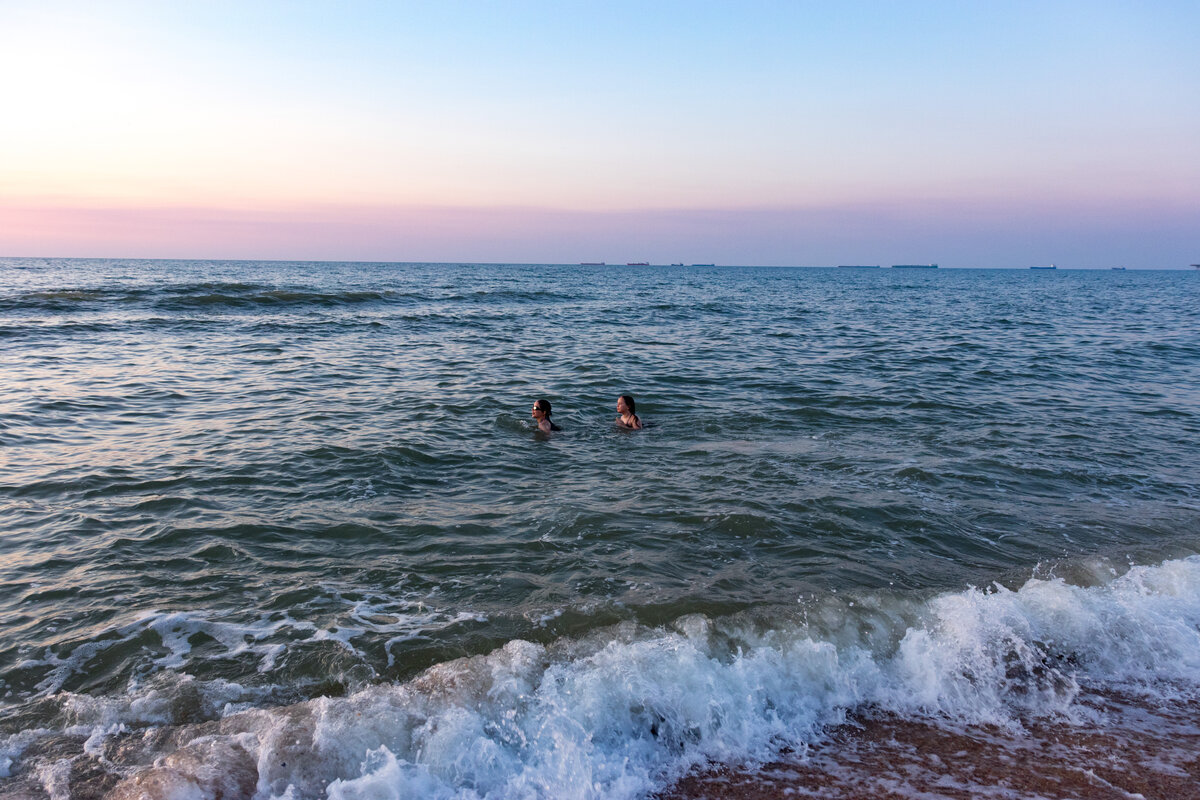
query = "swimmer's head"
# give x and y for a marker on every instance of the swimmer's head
(630, 407)
(541, 408)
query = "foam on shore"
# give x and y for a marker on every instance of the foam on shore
(627, 710)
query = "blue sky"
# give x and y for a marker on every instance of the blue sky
(972, 134)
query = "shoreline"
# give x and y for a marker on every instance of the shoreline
(1133, 750)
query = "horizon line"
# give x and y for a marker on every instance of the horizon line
(626, 265)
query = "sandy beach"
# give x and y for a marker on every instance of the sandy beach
(1134, 751)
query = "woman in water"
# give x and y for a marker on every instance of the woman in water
(626, 408)
(541, 412)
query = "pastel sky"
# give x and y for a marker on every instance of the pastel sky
(776, 133)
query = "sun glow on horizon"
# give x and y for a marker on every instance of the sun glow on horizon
(272, 110)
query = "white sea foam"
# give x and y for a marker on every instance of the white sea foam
(55, 777)
(617, 714)
(164, 700)
(11, 747)
(266, 638)
(177, 629)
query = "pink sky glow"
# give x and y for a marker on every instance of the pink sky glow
(948, 231)
(773, 133)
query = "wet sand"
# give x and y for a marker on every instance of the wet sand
(1133, 751)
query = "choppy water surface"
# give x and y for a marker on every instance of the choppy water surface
(297, 514)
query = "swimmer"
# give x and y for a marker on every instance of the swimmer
(541, 412)
(626, 408)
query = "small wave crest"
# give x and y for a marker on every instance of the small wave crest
(192, 297)
(237, 296)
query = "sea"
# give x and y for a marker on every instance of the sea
(286, 530)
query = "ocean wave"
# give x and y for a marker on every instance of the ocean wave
(191, 297)
(235, 297)
(488, 296)
(623, 711)
(218, 296)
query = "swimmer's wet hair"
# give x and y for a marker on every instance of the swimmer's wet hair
(629, 402)
(543, 406)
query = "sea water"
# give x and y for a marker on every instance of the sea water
(287, 530)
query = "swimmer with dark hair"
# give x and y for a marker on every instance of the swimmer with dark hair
(541, 412)
(626, 408)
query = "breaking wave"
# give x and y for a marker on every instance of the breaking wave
(622, 712)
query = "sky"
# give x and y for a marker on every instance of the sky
(966, 133)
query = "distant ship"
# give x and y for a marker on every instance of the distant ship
(591, 263)
(1119, 268)
(858, 266)
(680, 264)
(703, 265)
(638, 264)
(914, 266)
(1049, 267)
